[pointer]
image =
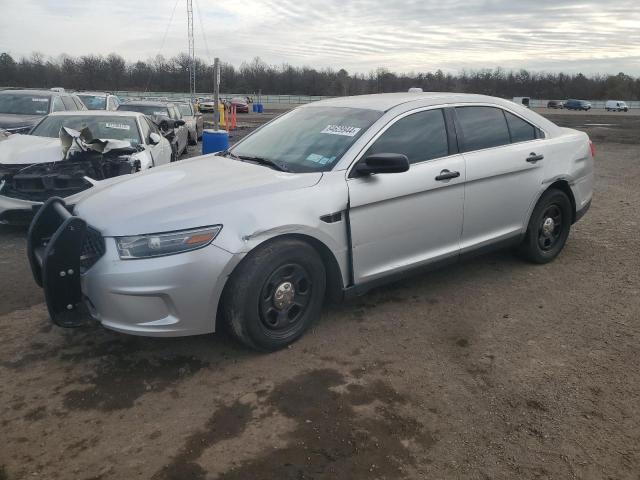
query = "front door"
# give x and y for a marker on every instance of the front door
(404, 220)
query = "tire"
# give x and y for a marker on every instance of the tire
(548, 227)
(174, 153)
(274, 295)
(191, 140)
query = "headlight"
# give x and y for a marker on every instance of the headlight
(161, 244)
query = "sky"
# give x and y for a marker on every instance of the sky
(359, 35)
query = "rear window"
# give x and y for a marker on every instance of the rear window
(94, 102)
(482, 127)
(420, 136)
(146, 109)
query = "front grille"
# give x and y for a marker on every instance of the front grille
(92, 249)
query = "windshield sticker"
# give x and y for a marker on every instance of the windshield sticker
(321, 159)
(160, 113)
(41, 111)
(344, 130)
(39, 99)
(119, 126)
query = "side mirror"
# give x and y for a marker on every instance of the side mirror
(178, 123)
(154, 138)
(382, 163)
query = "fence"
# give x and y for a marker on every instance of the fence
(284, 99)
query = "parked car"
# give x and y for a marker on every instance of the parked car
(327, 200)
(241, 104)
(99, 100)
(167, 116)
(577, 105)
(194, 121)
(616, 106)
(34, 168)
(555, 104)
(206, 105)
(20, 110)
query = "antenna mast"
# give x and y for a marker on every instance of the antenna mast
(192, 54)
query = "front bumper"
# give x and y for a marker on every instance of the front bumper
(175, 295)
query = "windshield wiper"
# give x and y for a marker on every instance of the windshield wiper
(264, 161)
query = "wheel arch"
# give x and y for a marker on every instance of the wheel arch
(564, 186)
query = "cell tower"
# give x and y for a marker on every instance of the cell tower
(192, 53)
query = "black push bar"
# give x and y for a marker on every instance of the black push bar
(54, 247)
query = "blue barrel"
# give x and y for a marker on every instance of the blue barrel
(260, 108)
(254, 107)
(214, 141)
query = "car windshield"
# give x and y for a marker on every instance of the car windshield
(146, 109)
(94, 102)
(107, 127)
(24, 104)
(185, 109)
(308, 139)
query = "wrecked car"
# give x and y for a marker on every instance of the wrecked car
(40, 165)
(99, 100)
(193, 120)
(328, 200)
(167, 116)
(20, 110)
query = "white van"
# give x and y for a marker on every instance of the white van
(616, 106)
(522, 101)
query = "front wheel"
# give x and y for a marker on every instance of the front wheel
(548, 227)
(275, 294)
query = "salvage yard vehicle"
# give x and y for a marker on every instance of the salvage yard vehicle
(34, 168)
(20, 110)
(326, 201)
(616, 106)
(193, 120)
(555, 104)
(167, 116)
(99, 100)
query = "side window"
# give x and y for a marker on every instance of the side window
(482, 127)
(420, 136)
(79, 103)
(521, 131)
(69, 104)
(146, 130)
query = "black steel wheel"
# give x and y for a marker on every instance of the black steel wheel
(275, 294)
(548, 227)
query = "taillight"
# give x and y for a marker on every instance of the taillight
(593, 148)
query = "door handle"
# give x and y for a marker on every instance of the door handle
(533, 158)
(447, 175)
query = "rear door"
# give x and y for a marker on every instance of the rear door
(404, 220)
(504, 155)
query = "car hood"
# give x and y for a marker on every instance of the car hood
(10, 121)
(28, 149)
(187, 194)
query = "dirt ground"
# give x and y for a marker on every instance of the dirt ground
(492, 369)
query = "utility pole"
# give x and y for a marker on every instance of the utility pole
(192, 53)
(216, 91)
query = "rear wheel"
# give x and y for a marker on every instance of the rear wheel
(548, 227)
(274, 295)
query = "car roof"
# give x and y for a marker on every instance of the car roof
(386, 101)
(149, 103)
(96, 94)
(98, 113)
(27, 91)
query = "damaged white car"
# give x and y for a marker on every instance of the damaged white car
(47, 163)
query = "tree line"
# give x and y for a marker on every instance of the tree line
(160, 74)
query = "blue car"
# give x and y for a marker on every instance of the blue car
(577, 105)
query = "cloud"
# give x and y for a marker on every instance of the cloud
(359, 35)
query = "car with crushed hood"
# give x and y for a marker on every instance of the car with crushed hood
(21, 110)
(99, 100)
(38, 166)
(168, 117)
(194, 121)
(328, 200)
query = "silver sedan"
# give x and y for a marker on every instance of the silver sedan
(326, 201)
